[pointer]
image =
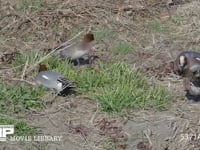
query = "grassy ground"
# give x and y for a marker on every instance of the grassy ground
(115, 85)
(131, 39)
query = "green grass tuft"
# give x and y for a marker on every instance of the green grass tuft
(19, 98)
(156, 27)
(120, 86)
(29, 5)
(105, 33)
(177, 20)
(30, 55)
(123, 48)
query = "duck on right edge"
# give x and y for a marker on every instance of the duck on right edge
(187, 64)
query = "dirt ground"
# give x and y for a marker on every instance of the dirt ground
(78, 120)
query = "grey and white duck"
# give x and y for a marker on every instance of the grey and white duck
(53, 80)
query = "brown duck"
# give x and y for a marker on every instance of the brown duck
(77, 50)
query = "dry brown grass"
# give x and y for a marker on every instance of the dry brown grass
(57, 21)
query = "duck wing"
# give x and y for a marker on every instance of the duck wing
(66, 83)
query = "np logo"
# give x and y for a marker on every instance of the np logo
(5, 130)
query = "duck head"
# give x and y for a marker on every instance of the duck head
(88, 38)
(42, 67)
